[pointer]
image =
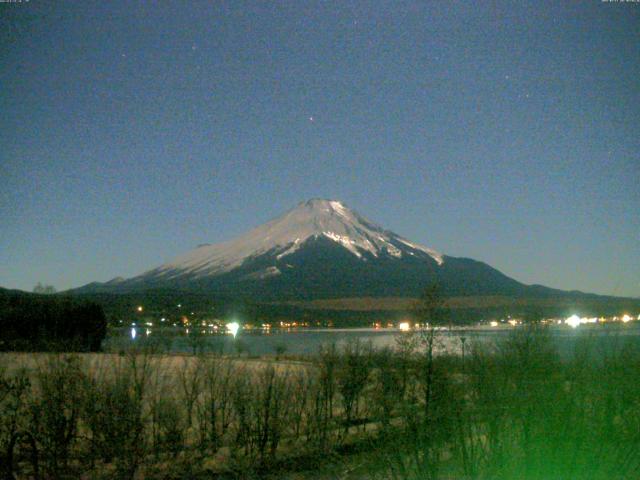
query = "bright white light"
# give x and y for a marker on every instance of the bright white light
(573, 321)
(147, 332)
(626, 318)
(140, 308)
(233, 328)
(133, 333)
(404, 327)
(494, 323)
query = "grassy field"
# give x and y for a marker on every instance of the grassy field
(515, 410)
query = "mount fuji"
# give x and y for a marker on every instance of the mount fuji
(321, 249)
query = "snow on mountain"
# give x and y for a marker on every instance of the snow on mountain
(286, 234)
(318, 250)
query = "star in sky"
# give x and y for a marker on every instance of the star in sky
(402, 90)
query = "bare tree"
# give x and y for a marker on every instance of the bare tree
(215, 410)
(423, 428)
(56, 409)
(44, 289)
(190, 379)
(352, 376)
(15, 392)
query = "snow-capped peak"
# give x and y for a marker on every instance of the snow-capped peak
(286, 234)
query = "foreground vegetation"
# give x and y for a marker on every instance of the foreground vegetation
(513, 411)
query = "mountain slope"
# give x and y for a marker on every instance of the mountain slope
(321, 249)
(287, 234)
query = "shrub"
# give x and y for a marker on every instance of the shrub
(114, 414)
(56, 410)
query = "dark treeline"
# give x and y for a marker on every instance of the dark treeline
(164, 303)
(31, 322)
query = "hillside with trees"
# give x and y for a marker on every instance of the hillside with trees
(36, 322)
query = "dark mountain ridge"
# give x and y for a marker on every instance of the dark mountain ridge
(322, 250)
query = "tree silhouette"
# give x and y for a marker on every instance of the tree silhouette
(44, 289)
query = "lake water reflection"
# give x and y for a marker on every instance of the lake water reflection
(601, 339)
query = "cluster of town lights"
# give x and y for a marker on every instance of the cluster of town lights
(574, 321)
(234, 327)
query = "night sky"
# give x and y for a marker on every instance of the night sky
(506, 132)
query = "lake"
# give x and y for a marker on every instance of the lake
(601, 337)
